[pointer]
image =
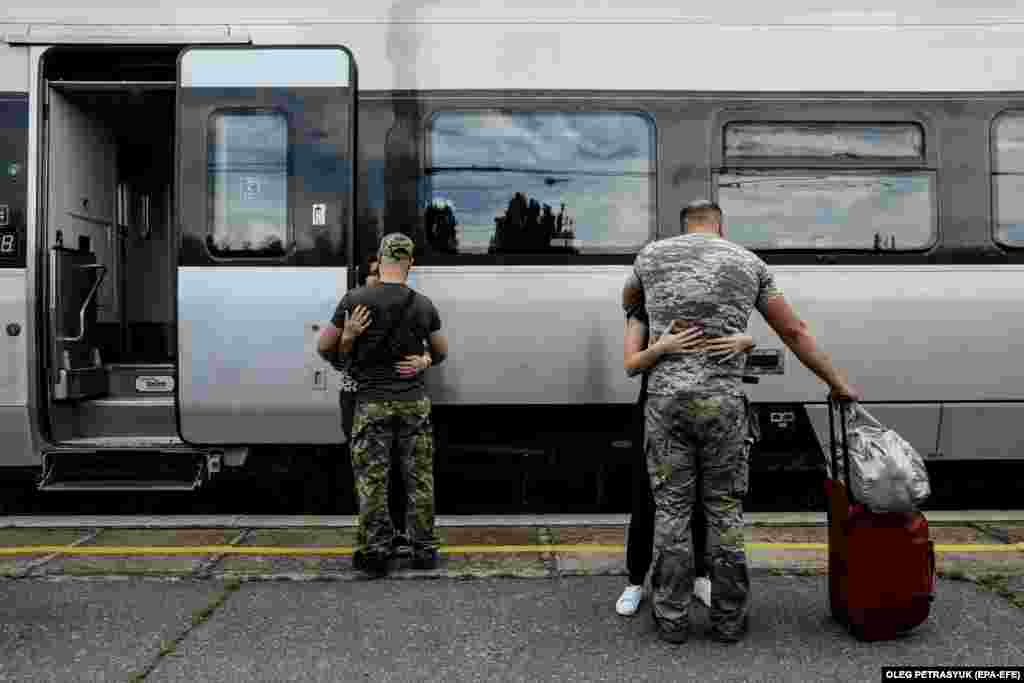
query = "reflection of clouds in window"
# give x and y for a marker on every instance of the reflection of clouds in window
(248, 172)
(1008, 179)
(823, 140)
(569, 142)
(1009, 144)
(598, 165)
(827, 211)
(1009, 205)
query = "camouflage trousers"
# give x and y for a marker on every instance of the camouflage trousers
(379, 426)
(715, 431)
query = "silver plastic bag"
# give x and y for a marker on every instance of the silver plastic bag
(886, 473)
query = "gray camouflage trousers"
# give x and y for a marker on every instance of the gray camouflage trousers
(716, 431)
(376, 427)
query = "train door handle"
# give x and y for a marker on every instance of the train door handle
(13, 329)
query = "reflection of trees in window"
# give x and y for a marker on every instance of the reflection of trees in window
(248, 174)
(529, 227)
(512, 175)
(439, 224)
(270, 246)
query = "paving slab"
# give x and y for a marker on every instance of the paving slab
(489, 535)
(314, 537)
(14, 537)
(958, 535)
(484, 565)
(140, 565)
(597, 535)
(979, 564)
(562, 629)
(569, 563)
(317, 537)
(787, 534)
(118, 565)
(14, 565)
(91, 631)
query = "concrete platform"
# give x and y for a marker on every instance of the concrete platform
(974, 551)
(563, 629)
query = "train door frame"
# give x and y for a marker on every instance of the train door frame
(221, 286)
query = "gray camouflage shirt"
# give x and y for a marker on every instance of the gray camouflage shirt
(704, 280)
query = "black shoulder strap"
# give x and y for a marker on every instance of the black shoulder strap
(387, 339)
(400, 320)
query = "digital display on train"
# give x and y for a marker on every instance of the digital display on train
(9, 246)
(13, 185)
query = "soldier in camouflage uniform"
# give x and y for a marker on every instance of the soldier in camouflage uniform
(385, 329)
(697, 411)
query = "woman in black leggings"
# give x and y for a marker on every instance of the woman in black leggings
(640, 537)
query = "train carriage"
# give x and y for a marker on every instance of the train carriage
(187, 192)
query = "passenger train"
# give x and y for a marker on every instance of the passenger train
(187, 192)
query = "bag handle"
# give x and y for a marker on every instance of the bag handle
(843, 428)
(864, 417)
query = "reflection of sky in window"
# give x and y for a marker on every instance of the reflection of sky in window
(1009, 143)
(599, 165)
(823, 140)
(1008, 182)
(1009, 196)
(248, 172)
(829, 211)
(256, 68)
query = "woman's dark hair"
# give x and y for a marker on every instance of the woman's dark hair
(364, 271)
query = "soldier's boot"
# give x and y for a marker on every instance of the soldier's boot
(669, 635)
(729, 637)
(425, 559)
(375, 566)
(400, 545)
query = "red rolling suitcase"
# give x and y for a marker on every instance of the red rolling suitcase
(881, 566)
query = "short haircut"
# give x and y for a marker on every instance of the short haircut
(700, 212)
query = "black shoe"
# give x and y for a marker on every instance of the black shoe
(425, 560)
(373, 565)
(400, 546)
(674, 636)
(730, 638)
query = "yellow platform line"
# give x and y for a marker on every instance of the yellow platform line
(124, 551)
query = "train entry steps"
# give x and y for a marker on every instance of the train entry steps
(98, 465)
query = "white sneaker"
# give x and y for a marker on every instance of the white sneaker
(629, 601)
(702, 589)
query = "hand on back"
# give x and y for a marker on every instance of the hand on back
(679, 339)
(357, 322)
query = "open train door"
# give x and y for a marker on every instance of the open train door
(265, 162)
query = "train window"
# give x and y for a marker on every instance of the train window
(248, 180)
(828, 209)
(1008, 178)
(824, 140)
(539, 182)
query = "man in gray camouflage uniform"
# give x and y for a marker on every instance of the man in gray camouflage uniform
(385, 329)
(697, 410)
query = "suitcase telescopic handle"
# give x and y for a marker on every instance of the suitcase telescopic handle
(843, 422)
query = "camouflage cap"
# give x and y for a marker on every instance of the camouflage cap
(396, 246)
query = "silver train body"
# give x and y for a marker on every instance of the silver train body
(212, 354)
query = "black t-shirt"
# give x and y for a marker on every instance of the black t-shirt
(373, 357)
